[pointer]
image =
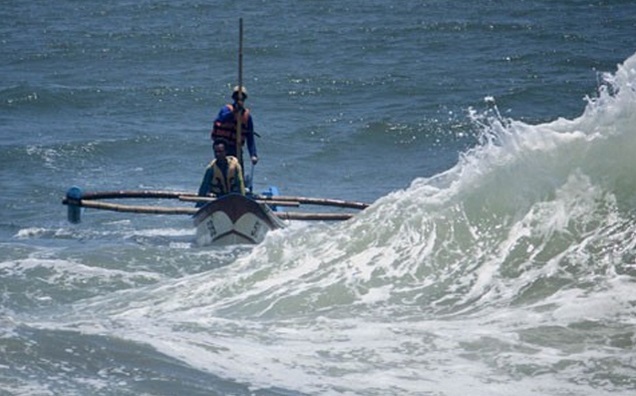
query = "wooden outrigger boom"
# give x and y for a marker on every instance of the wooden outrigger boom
(76, 199)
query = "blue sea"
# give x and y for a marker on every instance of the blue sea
(495, 142)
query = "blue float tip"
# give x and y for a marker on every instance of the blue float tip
(74, 211)
(74, 193)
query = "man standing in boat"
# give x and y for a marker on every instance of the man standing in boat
(225, 124)
(223, 175)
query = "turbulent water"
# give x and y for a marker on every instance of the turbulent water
(495, 142)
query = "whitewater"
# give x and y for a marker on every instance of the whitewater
(495, 146)
(513, 271)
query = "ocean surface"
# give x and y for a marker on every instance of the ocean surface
(494, 140)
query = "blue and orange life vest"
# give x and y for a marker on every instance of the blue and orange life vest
(225, 130)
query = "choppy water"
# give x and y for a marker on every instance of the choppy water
(495, 142)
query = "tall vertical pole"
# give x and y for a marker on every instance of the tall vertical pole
(239, 121)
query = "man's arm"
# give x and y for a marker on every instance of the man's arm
(239, 184)
(204, 189)
(251, 142)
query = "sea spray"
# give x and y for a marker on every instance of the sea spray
(516, 263)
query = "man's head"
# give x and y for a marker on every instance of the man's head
(219, 150)
(239, 94)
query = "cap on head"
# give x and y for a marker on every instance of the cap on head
(235, 92)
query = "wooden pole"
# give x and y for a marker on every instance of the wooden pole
(156, 194)
(239, 119)
(159, 194)
(317, 201)
(189, 198)
(313, 216)
(133, 208)
(305, 216)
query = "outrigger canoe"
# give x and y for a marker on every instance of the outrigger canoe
(226, 220)
(230, 219)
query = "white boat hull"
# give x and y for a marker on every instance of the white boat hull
(234, 219)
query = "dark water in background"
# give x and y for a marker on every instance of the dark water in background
(495, 139)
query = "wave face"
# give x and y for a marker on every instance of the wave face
(497, 256)
(517, 264)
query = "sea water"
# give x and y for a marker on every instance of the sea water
(493, 140)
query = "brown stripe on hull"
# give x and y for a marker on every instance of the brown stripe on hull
(234, 206)
(235, 233)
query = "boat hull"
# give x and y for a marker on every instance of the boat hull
(234, 219)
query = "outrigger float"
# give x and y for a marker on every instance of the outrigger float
(227, 220)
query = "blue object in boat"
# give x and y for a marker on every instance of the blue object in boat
(272, 191)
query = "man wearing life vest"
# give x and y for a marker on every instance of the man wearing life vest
(224, 128)
(223, 175)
